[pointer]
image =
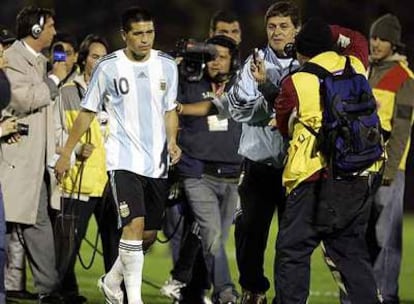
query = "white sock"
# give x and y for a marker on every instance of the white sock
(132, 258)
(114, 277)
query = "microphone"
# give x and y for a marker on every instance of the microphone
(59, 54)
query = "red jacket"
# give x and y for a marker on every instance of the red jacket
(288, 100)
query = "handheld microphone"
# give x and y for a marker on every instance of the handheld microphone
(59, 54)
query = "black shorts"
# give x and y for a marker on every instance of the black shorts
(138, 196)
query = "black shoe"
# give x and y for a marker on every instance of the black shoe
(75, 299)
(21, 295)
(249, 297)
(51, 299)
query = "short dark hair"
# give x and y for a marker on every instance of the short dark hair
(66, 38)
(29, 16)
(222, 16)
(134, 14)
(230, 44)
(284, 9)
(85, 45)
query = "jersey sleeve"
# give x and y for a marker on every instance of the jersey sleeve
(246, 103)
(95, 93)
(172, 88)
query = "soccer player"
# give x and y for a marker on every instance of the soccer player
(137, 86)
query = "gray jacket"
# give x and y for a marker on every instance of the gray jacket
(24, 164)
(259, 142)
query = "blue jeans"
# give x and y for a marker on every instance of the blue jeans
(384, 236)
(388, 204)
(213, 202)
(2, 248)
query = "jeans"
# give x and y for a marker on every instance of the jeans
(173, 228)
(213, 201)
(386, 253)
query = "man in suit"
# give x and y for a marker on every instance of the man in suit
(26, 181)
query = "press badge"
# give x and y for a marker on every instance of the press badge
(215, 124)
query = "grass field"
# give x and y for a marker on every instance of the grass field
(323, 289)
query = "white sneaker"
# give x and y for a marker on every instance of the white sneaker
(172, 289)
(207, 300)
(111, 297)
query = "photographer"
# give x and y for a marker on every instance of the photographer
(209, 169)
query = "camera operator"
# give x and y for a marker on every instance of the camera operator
(209, 169)
(27, 183)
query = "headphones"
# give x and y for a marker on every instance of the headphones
(37, 28)
(229, 43)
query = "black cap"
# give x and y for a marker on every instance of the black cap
(224, 41)
(6, 36)
(314, 38)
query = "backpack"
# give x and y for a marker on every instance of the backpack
(350, 136)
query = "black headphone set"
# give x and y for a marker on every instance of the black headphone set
(37, 28)
(229, 43)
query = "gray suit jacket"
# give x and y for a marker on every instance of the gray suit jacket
(24, 164)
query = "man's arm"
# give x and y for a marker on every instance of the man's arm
(80, 126)
(285, 103)
(246, 103)
(351, 42)
(171, 126)
(401, 128)
(201, 108)
(29, 91)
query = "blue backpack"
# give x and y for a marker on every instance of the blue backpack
(350, 137)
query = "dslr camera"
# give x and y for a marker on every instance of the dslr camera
(194, 56)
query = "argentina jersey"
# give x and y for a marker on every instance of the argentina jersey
(136, 96)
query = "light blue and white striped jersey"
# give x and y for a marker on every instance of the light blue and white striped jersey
(136, 96)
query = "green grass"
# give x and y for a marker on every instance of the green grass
(323, 289)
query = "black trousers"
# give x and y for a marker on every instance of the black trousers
(260, 192)
(70, 229)
(346, 207)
